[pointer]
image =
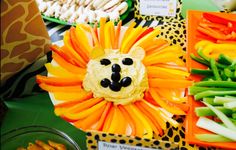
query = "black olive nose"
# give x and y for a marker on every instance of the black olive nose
(115, 68)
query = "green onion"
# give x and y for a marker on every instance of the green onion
(215, 69)
(202, 61)
(227, 84)
(225, 59)
(196, 89)
(209, 93)
(201, 72)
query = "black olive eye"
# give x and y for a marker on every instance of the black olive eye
(105, 62)
(127, 61)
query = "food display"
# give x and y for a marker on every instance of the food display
(117, 80)
(83, 11)
(212, 63)
(40, 145)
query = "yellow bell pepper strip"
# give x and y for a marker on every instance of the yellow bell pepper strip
(77, 45)
(115, 123)
(156, 45)
(145, 40)
(57, 146)
(57, 81)
(85, 113)
(129, 119)
(90, 120)
(155, 113)
(68, 66)
(43, 145)
(121, 129)
(154, 124)
(97, 52)
(72, 96)
(109, 35)
(166, 105)
(170, 120)
(140, 129)
(166, 73)
(66, 89)
(128, 31)
(170, 95)
(70, 50)
(83, 41)
(112, 33)
(68, 104)
(126, 46)
(102, 33)
(58, 71)
(83, 105)
(104, 115)
(169, 83)
(107, 121)
(142, 119)
(148, 30)
(117, 35)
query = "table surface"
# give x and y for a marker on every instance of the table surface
(38, 109)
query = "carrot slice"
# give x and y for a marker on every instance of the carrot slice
(57, 81)
(101, 121)
(128, 118)
(85, 113)
(121, 129)
(66, 89)
(69, 67)
(117, 35)
(169, 83)
(164, 104)
(102, 33)
(73, 96)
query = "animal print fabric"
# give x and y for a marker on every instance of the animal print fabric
(24, 37)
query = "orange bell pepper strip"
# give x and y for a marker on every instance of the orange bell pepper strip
(108, 120)
(115, 122)
(129, 119)
(66, 89)
(164, 104)
(72, 96)
(169, 83)
(83, 40)
(121, 129)
(77, 45)
(171, 95)
(117, 35)
(102, 33)
(68, 48)
(142, 119)
(128, 43)
(154, 112)
(108, 36)
(148, 30)
(139, 127)
(85, 113)
(88, 122)
(57, 81)
(69, 104)
(128, 31)
(84, 105)
(68, 66)
(155, 126)
(148, 98)
(104, 115)
(213, 33)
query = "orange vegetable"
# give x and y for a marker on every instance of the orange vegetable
(63, 96)
(83, 40)
(117, 35)
(128, 31)
(51, 88)
(166, 105)
(107, 121)
(103, 117)
(102, 33)
(169, 83)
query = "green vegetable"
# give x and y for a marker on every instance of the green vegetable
(215, 70)
(212, 138)
(222, 100)
(205, 111)
(196, 89)
(209, 93)
(214, 127)
(234, 115)
(209, 100)
(227, 84)
(201, 72)
(230, 105)
(227, 122)
(225, 59)
(202, 61)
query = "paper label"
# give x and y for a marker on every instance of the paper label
(114, 146)
(158, 7)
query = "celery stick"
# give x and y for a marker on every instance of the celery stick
(222, 100)
(196, 89)
(226, 84)
(229, 124)
(205, 111)
(230, 105)
(234, 115)
(209, 100)
(212, 138)
(213, 93)
(214, 127)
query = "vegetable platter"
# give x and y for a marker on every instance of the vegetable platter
(211, 55)
(71, 12)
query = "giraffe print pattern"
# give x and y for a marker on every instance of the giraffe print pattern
(24, 36)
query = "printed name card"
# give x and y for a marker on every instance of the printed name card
(158, 7)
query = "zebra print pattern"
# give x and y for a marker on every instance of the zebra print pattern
(24, 83)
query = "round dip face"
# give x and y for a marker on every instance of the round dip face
(116, 77)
